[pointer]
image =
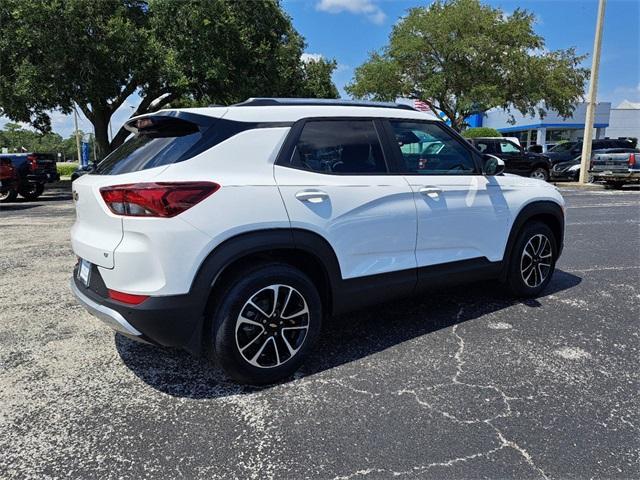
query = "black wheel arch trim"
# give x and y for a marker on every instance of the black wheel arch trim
(530, 211)
(343, 294)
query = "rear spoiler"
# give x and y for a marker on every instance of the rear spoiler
(169, 123)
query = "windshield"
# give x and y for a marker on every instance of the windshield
(563, 147)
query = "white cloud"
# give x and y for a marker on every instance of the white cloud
(358, 7)
(311, 57)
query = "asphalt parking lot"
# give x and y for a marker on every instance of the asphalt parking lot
(463, 383)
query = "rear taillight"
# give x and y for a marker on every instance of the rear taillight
(156, 199)
(6, 171)
(632, 160)
(33, 162)
(129, 298)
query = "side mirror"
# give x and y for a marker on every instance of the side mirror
(492, 165)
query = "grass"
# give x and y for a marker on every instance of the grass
(65, 169)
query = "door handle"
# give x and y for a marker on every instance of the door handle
(430, 190)
(312, 196)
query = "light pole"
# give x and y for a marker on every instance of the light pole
(593, 92)
(75, 119)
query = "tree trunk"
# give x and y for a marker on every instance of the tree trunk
(101, 127)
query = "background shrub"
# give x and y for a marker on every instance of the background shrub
(481, 132)
(65, 169)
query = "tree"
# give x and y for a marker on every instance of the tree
(462, 57)
(18, 139)
(54, 55)
(317, 79)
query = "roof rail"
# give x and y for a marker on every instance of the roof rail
(273, 102)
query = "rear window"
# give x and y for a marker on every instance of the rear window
(157, 141)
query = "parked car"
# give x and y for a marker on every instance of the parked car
(233, 231)
(616, 168)
(8, 180)
(567, 151)
(517, 160)
(571, 170)
(81, 170)
(33, 171)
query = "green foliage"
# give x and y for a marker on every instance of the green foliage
(480, 132)
(65, 169)
(316, 81)
(94, 54)
(18, 139)
(462, 57)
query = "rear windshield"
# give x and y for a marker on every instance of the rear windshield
(156, 142)
(146, 151)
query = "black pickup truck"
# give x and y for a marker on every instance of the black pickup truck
(31, 172)
(516, 159)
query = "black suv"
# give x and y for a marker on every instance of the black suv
(564, 152)
(516, 159)
(32, 171)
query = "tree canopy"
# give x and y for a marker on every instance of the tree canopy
(463, 57)
(56, 54)
(15, 138)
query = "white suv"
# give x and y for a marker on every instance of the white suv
(233, 231)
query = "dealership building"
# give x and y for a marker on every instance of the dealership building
(621, 121)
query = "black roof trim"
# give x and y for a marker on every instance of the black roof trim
(273, 102)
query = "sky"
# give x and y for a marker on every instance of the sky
(348, 30)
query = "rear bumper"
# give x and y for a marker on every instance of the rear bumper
(43, 177)
(563, 175)
(172, 321)
(617, 176)
(111, 317)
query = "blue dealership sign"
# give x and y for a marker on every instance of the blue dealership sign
(85, 154)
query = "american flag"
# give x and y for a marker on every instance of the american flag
(421, 106)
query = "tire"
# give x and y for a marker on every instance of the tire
(237, 341)
(614, 185)
(8, 196)
(528, 278)
(32, 191)
(540, 173)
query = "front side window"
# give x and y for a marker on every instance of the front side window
(339, 147)
(428, 149)
(508, 147)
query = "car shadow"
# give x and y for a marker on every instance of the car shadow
(344, 338)
(17, 207)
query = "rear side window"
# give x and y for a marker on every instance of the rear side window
(157, 141)
(339, 147)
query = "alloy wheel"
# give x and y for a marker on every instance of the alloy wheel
(539, 174)
(272, 326)
(535, 263)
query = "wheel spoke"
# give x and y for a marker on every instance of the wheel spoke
(297, 314)
(275, 347)
(286, 302)
(541, 277)
(252, 341)
(243, 319)
(262, 312)
(259, 352)
(289, 347)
